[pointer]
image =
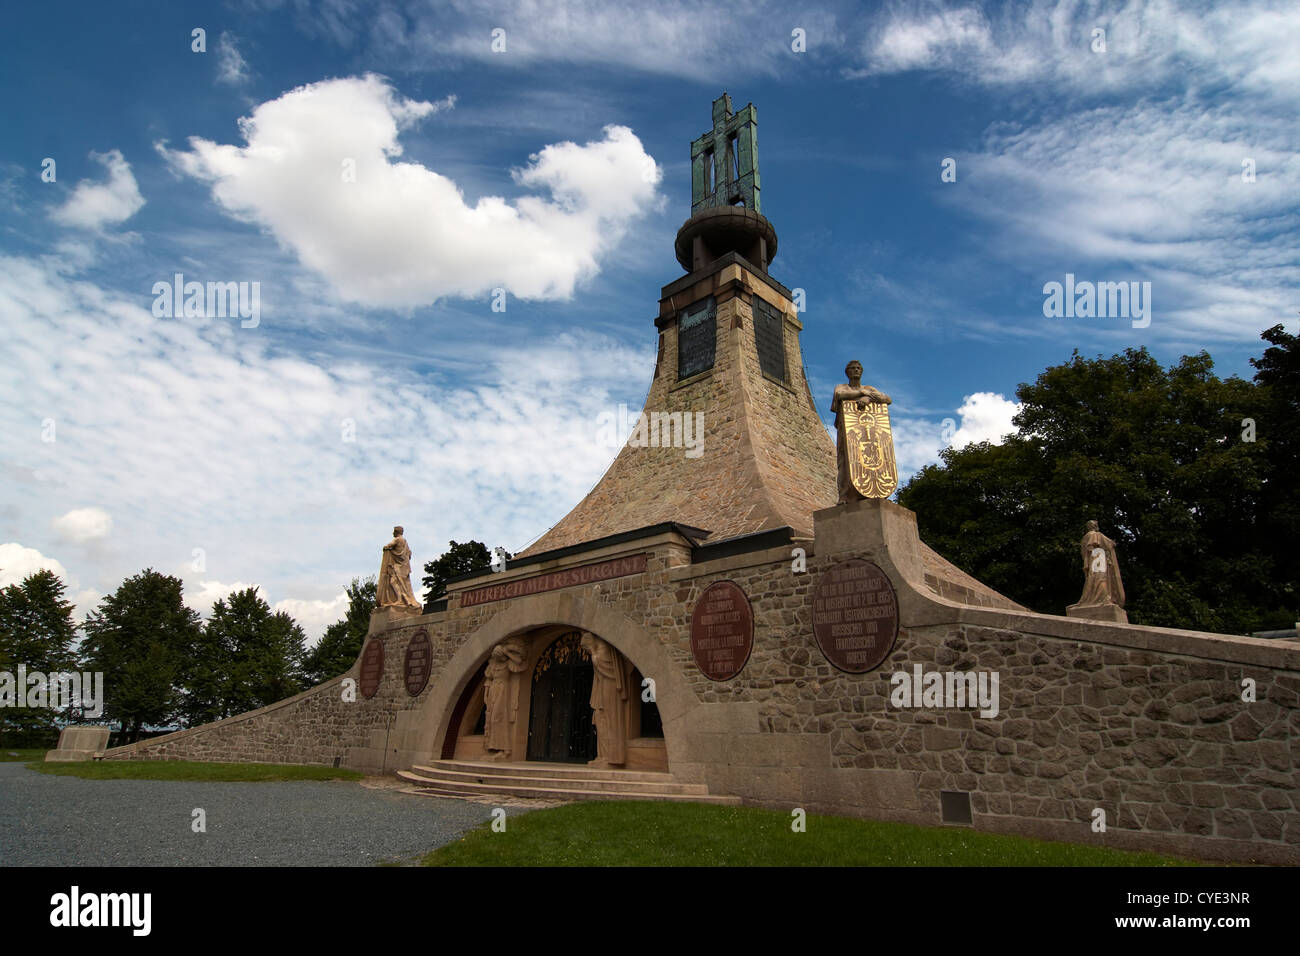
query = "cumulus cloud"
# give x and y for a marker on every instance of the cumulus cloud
(399, 234)
(982, 416)
(84, 524)
(18, 562)
(95, 205)
(314, 616)
(201, 595)
(985, 416)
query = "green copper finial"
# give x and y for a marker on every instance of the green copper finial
(724, 161)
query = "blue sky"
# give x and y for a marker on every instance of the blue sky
(557, 169)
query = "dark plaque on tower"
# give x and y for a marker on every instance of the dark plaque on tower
(419, 656)
(372, 667)
(855, 616)
(722, 631)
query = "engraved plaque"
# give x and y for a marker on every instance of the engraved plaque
(372, 667)
(769, 339)
(722, 631)
(697, 337)
(855, 616)
(419, 658)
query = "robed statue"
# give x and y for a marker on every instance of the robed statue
(864, 447)
(608, 702)
(394, 587)
(1103, 590)
(501, 697)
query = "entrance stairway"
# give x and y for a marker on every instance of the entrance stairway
(552, 781)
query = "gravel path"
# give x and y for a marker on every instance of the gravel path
(66, 821)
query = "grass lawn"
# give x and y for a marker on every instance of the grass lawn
(10, 755)
(189, 770)
(666, 834)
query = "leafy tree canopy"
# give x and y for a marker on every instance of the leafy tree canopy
(1164, 459)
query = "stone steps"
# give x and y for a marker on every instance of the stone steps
(457, 778)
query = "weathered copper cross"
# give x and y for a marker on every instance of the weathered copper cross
(724, 161)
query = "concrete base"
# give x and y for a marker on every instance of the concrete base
(1098, 612)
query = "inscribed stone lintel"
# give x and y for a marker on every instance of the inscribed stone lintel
(554, 580)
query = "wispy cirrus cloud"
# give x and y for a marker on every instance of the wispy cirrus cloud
(277, 467)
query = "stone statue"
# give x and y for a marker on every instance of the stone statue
(864, 447)
(608, 703)
(1103, 591)
(394, 588)
(501, 697)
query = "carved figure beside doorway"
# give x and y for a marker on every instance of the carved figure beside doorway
(501, 697)
(608, 702)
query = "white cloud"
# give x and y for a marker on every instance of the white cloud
(930, 42)
(201, 595)
(677, 38)
(197, 434)
(94, 205)
(402, 235)
(83, 524)
(315, 616)
(1150, 192)
(984, 416)
(18, 562)
(1050, 44)
(232, 68)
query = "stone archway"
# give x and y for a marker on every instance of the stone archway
(550, 614)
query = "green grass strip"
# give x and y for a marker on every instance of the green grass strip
(669, 834)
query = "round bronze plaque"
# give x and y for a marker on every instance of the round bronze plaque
(722, 631)
(855, 616)
(419, 657)
(372, 667)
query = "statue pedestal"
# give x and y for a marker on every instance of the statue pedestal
(382, 618)
(1098, 612)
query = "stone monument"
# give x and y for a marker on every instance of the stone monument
(87, 742)
(1103, 591)
(864, 446)
(394, 587)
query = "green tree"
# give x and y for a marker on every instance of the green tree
(245, 658)
(141, 637)
(1278, 429)
(37, 630)
(341, 644)
(457, 559)
(1155, 455)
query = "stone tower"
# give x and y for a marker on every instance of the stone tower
(729, 363)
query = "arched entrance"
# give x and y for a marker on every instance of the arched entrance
(560, 727)
(532, 701)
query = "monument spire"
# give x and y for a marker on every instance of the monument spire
(726, 194)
